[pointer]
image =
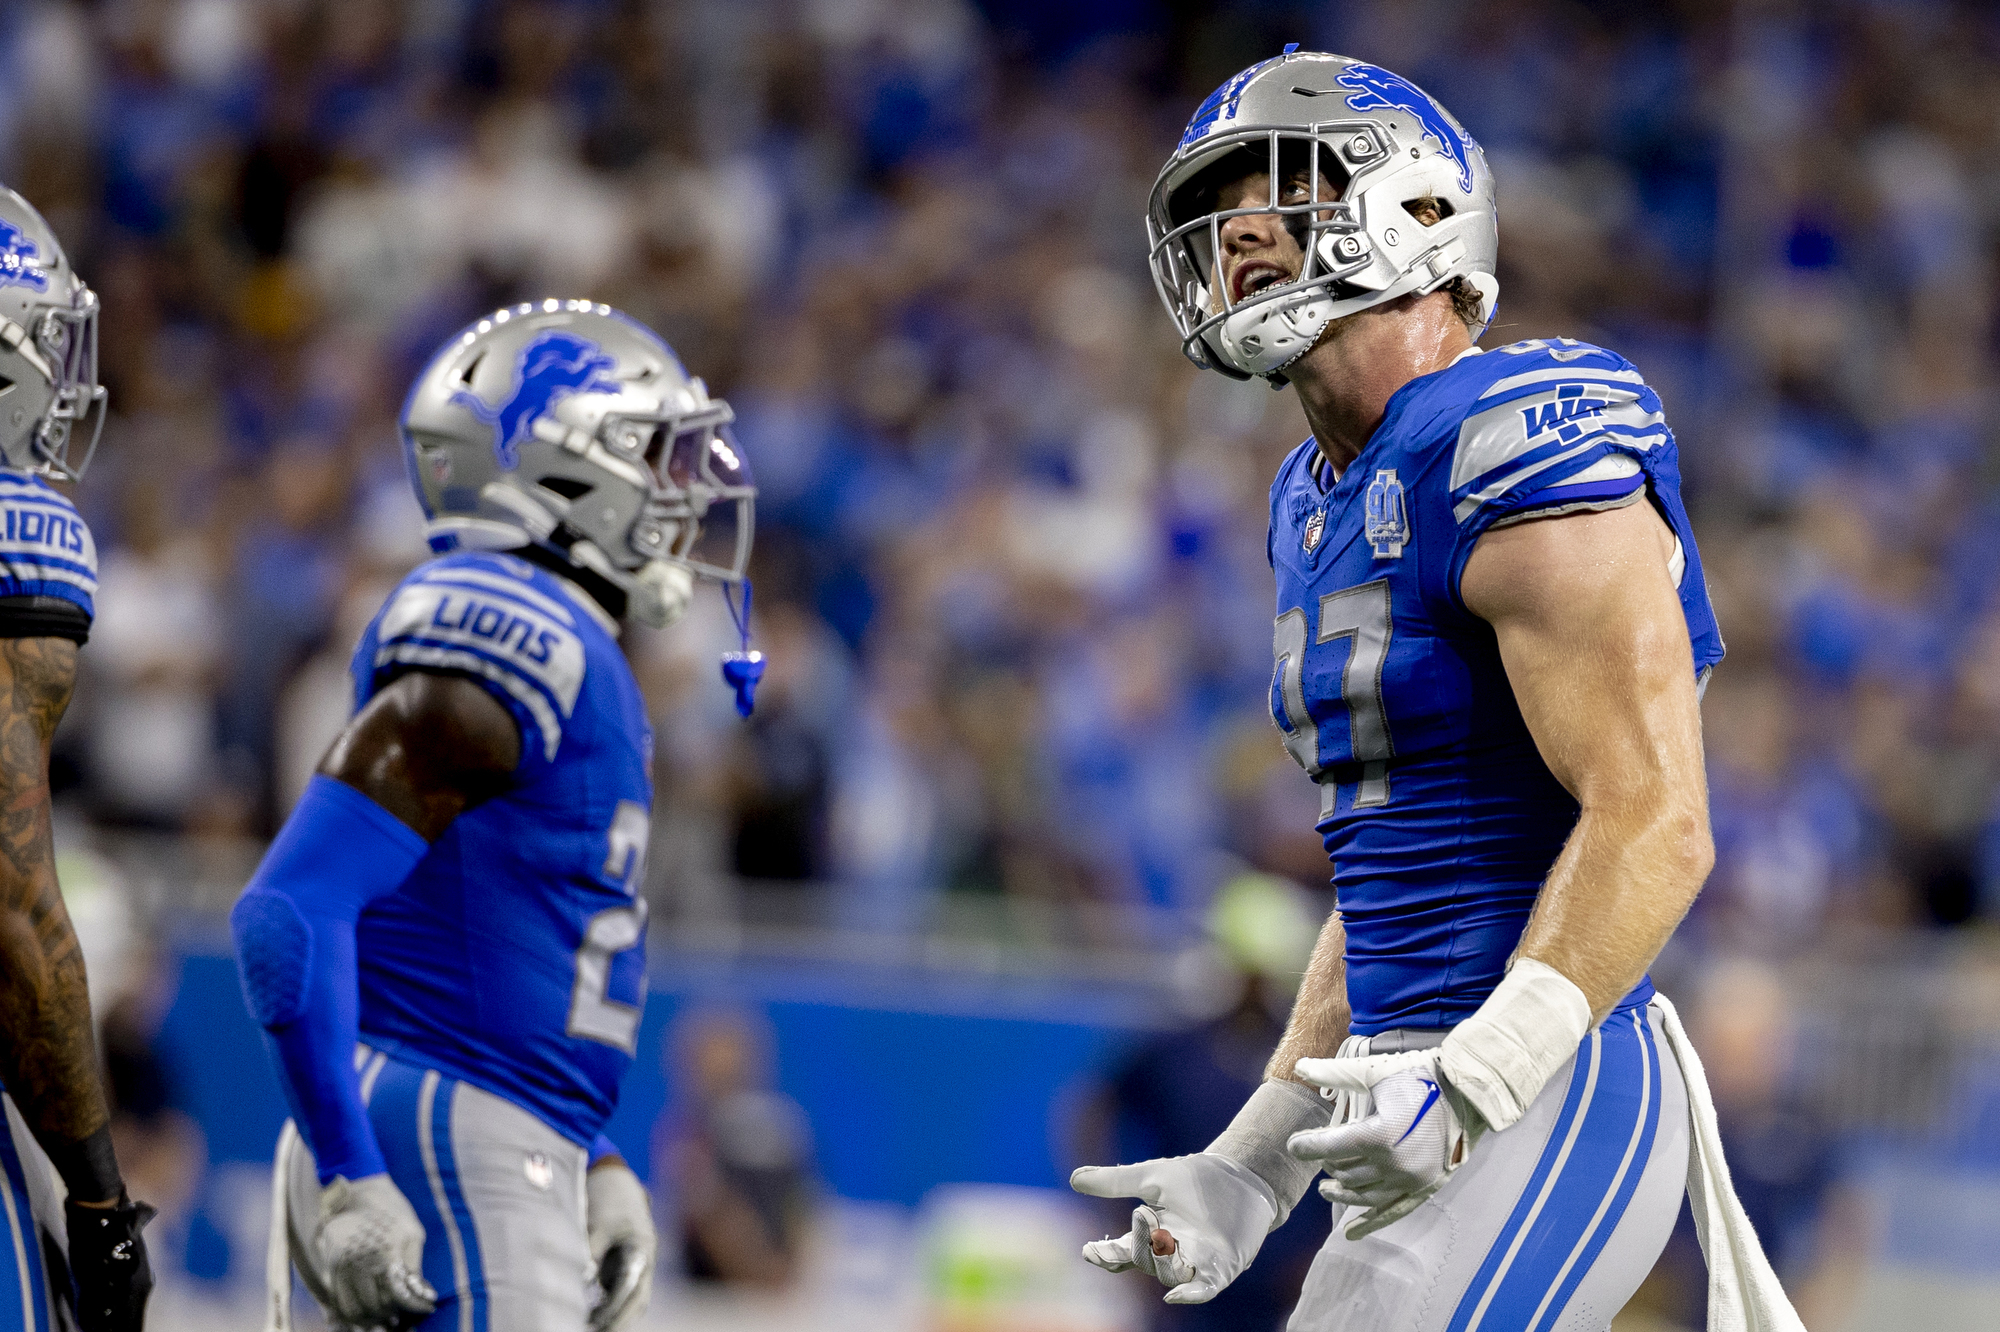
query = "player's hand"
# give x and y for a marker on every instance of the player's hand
(1390, 1160)
(371, 1247)
(107, 1257)
(622, 1243)
(1202, 1220)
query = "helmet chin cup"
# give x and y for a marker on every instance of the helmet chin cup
(660, 593)
(657, 593)
(1265, 338)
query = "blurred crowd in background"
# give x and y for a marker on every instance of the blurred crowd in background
(1009, 560)
(1009, 553)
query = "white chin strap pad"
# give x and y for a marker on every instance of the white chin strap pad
(1264, 339)
(659, 593)
(1268, 337)
(1499, 1059)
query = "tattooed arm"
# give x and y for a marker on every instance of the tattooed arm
(48, 1058)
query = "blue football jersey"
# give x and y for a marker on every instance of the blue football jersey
(1437, 811)
(513, 956)
(45, 548)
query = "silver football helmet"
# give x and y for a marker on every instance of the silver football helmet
(1381, 142)
(49, 394)
(571, 426)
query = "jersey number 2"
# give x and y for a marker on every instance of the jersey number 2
(1362, 614)
(592, 1014)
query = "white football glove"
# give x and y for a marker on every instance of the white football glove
(1489, 1070)
(1216, 1211)
(371, 1247)
(623, 1244)
(1390, 1161)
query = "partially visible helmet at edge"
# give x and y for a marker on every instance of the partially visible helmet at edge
(51, 405)
(568, 425)
(1383, 143)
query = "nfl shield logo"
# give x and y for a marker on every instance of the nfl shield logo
(1388, 527)
(1315, 529)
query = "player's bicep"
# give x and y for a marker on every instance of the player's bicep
(428, 746)
(38, 676)
(1595, 643)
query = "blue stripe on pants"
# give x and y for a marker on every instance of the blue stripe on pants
(1581, 1185)
(23, 1293)
(447, 1178)
(1641, 1152)
(1581, 1083)
(409, 1138)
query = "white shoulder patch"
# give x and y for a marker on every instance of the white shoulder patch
(1565, 413)
(492, 632)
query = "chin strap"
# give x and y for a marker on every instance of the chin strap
(742, 670)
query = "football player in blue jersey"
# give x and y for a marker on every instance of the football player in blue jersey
(1492, 631)
(445, 942)
(51, 410)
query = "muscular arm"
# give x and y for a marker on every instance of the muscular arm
(1596, 648)
(427, 748)
(48, 1059)
(1319, 1017)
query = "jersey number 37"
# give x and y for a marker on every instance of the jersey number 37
(593, 1015)
(1360, 614)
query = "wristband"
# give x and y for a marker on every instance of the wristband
(89, 1167)
(1498, 1060)
(1256, 1139)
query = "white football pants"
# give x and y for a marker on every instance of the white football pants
(500, 1194)
(32, 1250)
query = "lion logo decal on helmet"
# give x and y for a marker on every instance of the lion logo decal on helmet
(20, 260)
(1376, 89)
(552, 366)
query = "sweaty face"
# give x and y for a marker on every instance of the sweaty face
(1260, 251)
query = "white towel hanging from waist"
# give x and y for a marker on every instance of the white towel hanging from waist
(1743, 1291)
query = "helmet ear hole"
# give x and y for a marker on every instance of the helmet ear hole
(1429, 209)
(568, 487)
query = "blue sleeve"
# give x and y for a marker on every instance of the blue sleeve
(602, 1149)
(294, 930)
(1568, 429)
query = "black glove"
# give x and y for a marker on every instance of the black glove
(107, 1258)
